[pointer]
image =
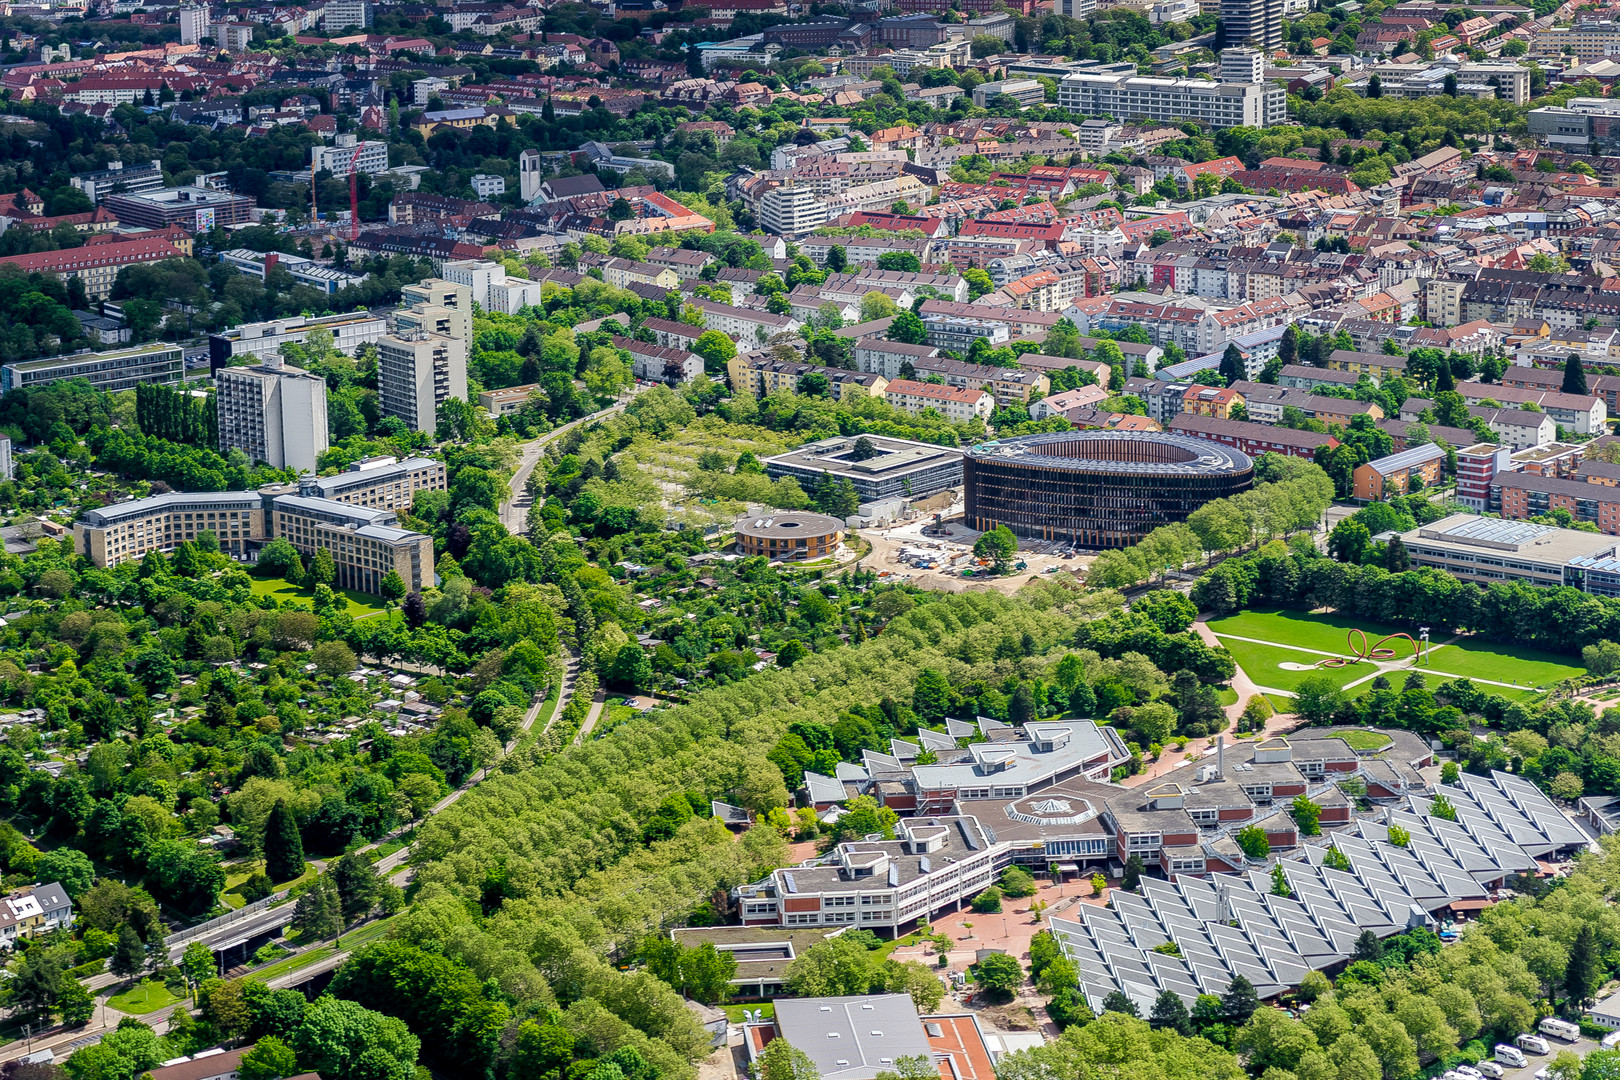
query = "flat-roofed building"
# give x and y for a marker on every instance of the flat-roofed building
(1484, 550)
(365, 542)
(263, 340)
(383, 483)
(110, 535)
(117, 369)
(900, 468)
(273, 413)
(507, 400)
(417, 372)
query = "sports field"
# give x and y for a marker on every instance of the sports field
(1278, 638)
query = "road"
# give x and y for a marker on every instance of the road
(515, 510)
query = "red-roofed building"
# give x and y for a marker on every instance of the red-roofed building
(95, 265)
(931, 227)
(1186, 176)
(1047, 234)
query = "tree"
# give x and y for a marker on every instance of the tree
(988, 902)
(780, 1061)
(908, 327)
(1279, 882)
(270, 1059)
(1318, 697)
(716, 349)
(1169, 1011)
(1396, 558)
(1375, 87)
(1017, 882)
(318, 912)
(283, 847)
(998, 975)
(998, 545)
(358, 885)
(1116, 1002)
(1240, 1001)
(1441, 807)
(343, 1040)
(1132, 878)
(69, 867)
(1584, 972)
(333, 658)
(129, 956)
(393, 586)
(1307, 815)
(198, 962)
(1574, 375)
(1232, 368)
(1252, 839)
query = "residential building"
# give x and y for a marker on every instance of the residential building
(365, 543)
(762, 375)
(1211, 401)
(654, 363)
(194, 25)
(1253, 22)
(1023, 91)
(125, 532)
(417, 372)
(744, 325)
(949, 401)
(33, 910)
(1477, 466)
(956, 334)
(382, 483)
(1219, 105)
(443, 306)
(343, 14)
(273, 413)
(116, 369)
(1251, 438)
(1399, 473)
(119, 178)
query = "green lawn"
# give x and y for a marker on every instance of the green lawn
(1308, 630)
(351, 941)
(147, 997)
(1261, 663)
(1476, 659)
(1365, 740)
(360, 604)
(1228, 695)
(735, 1012)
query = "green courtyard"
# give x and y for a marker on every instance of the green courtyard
(360, 604)
(1278, 638)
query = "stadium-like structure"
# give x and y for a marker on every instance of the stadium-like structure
(1097, 489)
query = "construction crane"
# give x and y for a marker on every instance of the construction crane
(354, 194)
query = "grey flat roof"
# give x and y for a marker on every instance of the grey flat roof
(898, 456)
(1206, 457)
(206, 500)
(852, 1038)
(1542, 543)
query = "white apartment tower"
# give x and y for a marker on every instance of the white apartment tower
(1256, 22)
(1240, 65)
(194, 25)
(273, 413)
(417, 372)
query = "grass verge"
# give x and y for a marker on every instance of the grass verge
(149, 996)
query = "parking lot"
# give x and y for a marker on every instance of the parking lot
(1534, 1063)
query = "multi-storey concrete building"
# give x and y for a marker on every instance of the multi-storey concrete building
(119, 369)
(379, 483)
(110, 535)
(1219, 105)
(439, 305)
(1253, 22)
(273, 413)
(263, 340)
(352, 156)
(365, 542)
(417, 372)
(96, 266)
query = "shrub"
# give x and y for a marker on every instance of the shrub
(987, 902)
(1017, 882)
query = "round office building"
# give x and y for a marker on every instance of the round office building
(1097, 489)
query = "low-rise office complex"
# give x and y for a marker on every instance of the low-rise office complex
(899, 468)
(117, 369)
(126, 531)
(366, 543)
(380, 483)
(263, 340)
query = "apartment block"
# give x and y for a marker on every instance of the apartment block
(119, 369)
(365, 542)
(352, 156)
(417, 372)
(111, 535)
(441, 305)
(950, 402)
(1219, 105)
(762, 376)
(273, 413)
(383, 483)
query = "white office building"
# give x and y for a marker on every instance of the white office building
(273, 413)
(1132, 98)
(789, 211)
(1243, 66)
(342, 14)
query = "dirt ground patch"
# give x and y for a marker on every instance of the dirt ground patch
(952, 552)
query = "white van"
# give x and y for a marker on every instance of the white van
(1559, 1029)
(1490, 1069)
(1510, 1056)
(1533, 1043)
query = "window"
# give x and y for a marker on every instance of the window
(838, 901)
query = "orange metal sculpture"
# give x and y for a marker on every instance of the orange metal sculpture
(1361, 652)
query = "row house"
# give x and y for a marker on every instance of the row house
(762, 375)
(1583, 413)
(1252, 438)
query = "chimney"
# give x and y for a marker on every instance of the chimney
(1220, 756)
(271, 258)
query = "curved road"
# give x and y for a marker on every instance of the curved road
(515, 510)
